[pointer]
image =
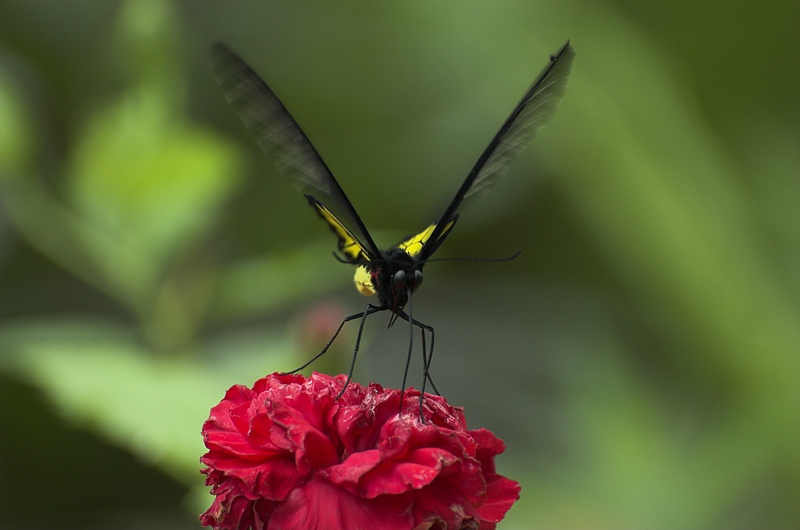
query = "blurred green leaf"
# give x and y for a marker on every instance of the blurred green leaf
(154, 184)
(154, 406)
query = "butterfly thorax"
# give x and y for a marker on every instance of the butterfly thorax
(394, 276)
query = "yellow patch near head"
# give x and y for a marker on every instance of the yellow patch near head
(413, 245)
(363, 281)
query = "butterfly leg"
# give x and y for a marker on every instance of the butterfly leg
(362, 315)
(410, 350)
(427, 362)
(426, 359)
(367, 312)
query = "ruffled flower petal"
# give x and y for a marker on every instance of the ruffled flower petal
(287, 454)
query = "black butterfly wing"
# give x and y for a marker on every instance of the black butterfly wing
(351, 248)
(533, 111)
(277, 132)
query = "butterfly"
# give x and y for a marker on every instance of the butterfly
(394, 274)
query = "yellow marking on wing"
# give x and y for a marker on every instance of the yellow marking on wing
(348, 244)
(413, 245)
(363, 281)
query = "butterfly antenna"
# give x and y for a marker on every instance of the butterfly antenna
(346, 261)
(500, 260)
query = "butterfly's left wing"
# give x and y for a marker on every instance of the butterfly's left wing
(532, 112)
(276, 131)
(349, 245)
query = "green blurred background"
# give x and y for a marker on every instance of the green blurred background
(641, 358)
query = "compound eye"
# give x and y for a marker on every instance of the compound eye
(399, 279)
(417, 278)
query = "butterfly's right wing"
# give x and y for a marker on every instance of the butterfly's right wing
(277, 132)
(535, 109)
(414, 244)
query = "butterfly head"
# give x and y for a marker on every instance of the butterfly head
(395, 277)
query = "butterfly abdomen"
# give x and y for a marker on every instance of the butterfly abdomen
(365, 280)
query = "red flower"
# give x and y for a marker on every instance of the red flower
(287, 455)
